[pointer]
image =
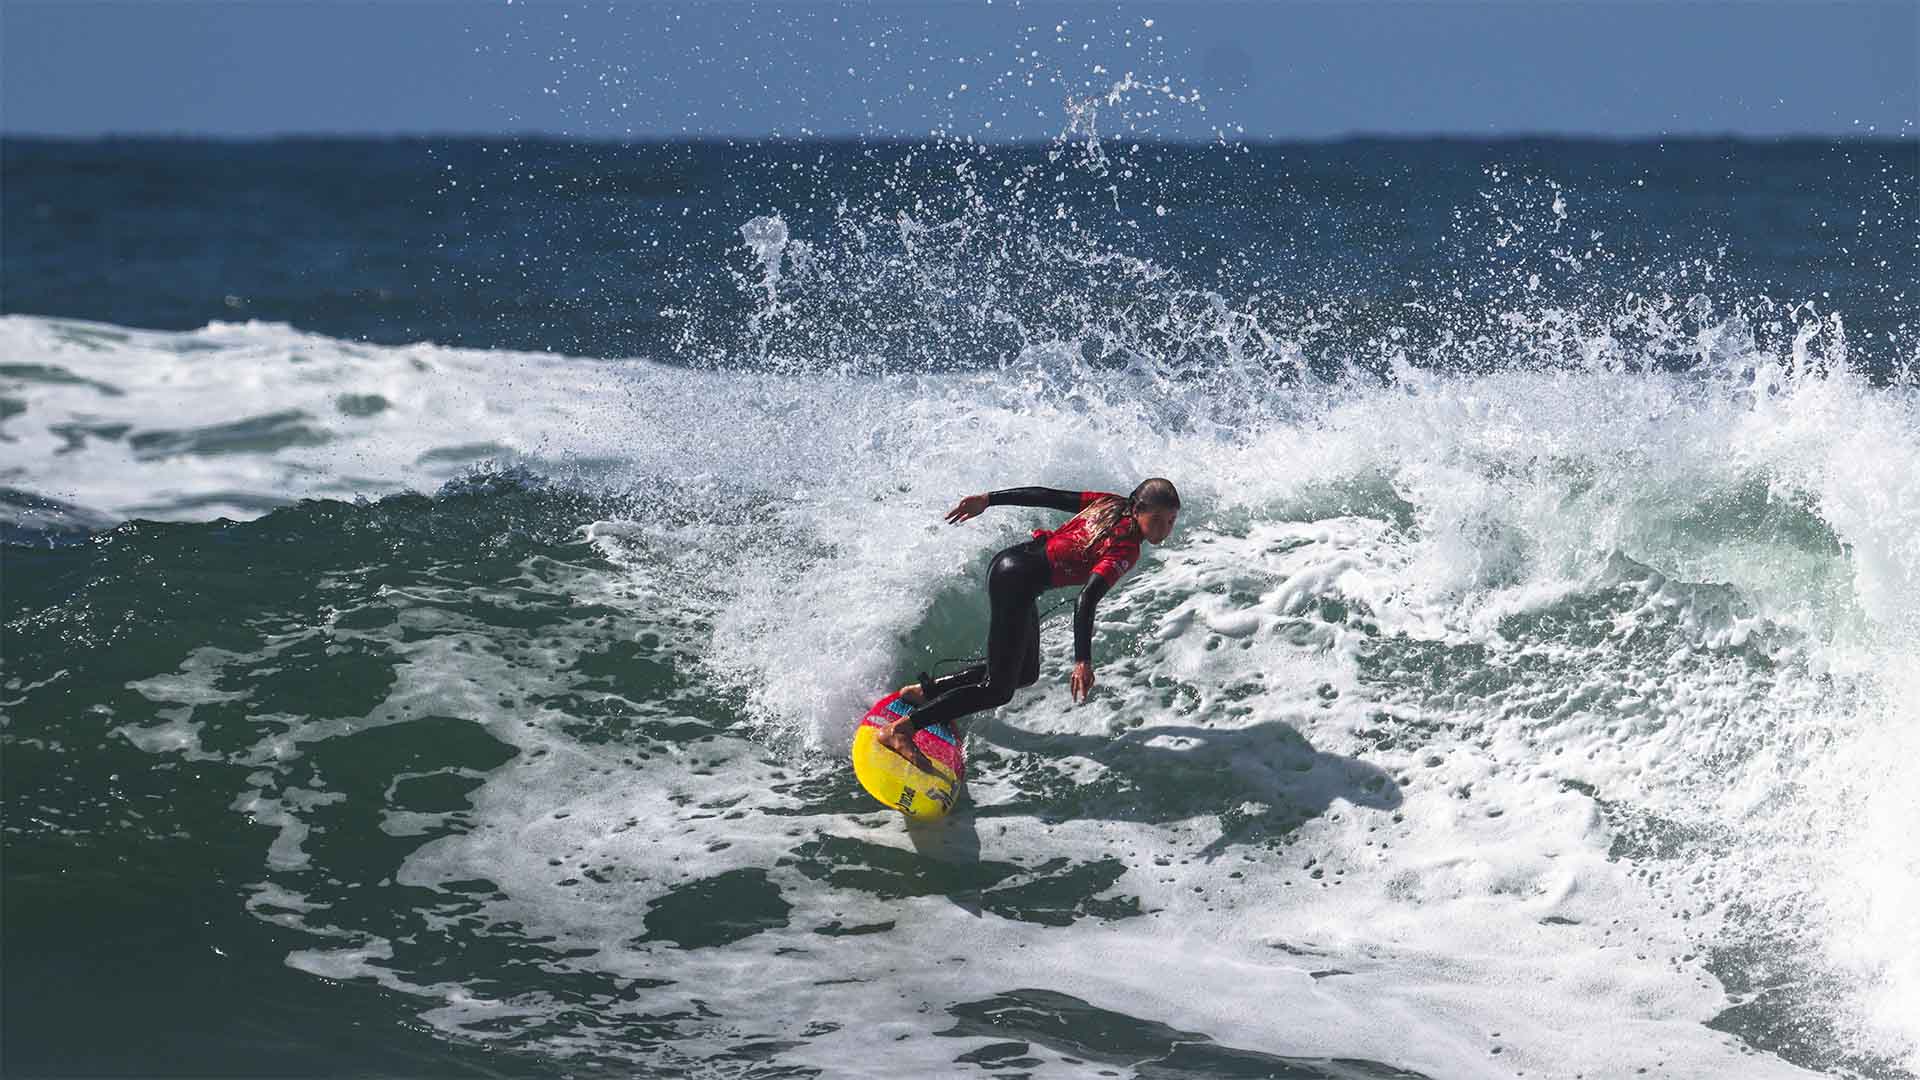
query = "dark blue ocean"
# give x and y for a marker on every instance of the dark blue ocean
(441, 578)
(619, 250)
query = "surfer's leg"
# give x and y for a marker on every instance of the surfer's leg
(1030, 667)
(1013, 658)
(915, 695)
(1018, 576)
(1006, 649)
(1014, 581)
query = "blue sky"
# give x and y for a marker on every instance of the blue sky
(990, 70)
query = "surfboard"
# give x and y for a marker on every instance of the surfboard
(899, 783)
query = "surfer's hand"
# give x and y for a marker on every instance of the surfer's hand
(970, 507)
(1081, 681)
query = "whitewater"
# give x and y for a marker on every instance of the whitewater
(1547, 721)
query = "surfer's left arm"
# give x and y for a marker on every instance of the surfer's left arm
(1051, 498)
(1106, 573)
(1080, 684)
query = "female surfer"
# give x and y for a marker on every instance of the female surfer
(1099, 544)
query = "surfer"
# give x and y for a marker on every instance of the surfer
(1099, 544)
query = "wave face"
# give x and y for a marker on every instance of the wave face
(1526, 689)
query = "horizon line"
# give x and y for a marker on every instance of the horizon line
(902, 140)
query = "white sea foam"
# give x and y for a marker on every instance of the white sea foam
(233, 419)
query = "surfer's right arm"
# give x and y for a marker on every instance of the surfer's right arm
(1049, 498)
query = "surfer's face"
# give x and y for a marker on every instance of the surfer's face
(1156, 524)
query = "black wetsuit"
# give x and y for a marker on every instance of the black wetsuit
(1015, 579)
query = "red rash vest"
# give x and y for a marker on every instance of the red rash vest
(1073, 561)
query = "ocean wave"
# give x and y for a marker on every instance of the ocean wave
(1527, 695)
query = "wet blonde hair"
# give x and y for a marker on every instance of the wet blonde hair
(1105, 515)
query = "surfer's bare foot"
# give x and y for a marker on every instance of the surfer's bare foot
(913, 695)
(897, 738)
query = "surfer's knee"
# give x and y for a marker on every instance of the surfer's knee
(999, 694)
